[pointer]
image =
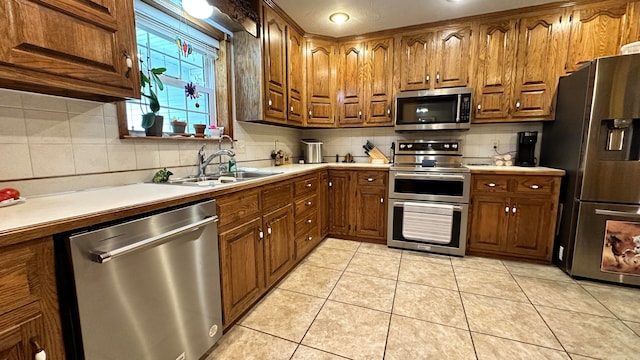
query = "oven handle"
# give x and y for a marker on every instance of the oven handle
(429, 176)
(617, 213)
(455, 207)
(102, 256)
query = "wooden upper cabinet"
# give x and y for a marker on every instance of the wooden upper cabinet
(379, 82)
(75, 48)
(295, 81)
(452, 57)
(538, 59)
(275, 65)
(351, 83)
(416, 62)
(596, 30)
(320, 83)
(494, 68)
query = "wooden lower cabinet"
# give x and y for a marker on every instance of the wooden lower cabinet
(323, 204)
(278, 244)
(513, 216)
(29, 313)
(357, 204)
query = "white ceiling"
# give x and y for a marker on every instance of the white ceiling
(374, 15)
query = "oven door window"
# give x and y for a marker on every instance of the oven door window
(429, 187)
(436, 110)
(398, 212)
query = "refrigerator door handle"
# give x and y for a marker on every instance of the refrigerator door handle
(617, 213)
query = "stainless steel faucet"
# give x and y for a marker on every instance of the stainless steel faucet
(223, 167)
(203, 163)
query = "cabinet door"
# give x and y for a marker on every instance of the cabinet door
(295, 83)
(452, 48)
(323, 204)
(530, 233)
(242, 268)
(278, 243)
(339, 203)
(488, 223)
(77, 46)
(416, 62)
(596, 30)
(494, 69)
(320, 87)
(379, 82)
(537, 63)
(275, 72)
(351, 92)
(371, 212)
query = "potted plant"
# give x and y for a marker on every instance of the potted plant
(178, 125)
(151, 122)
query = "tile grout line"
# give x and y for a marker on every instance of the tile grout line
(393, 304)
(464, 311)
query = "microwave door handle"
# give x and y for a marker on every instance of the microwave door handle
(429, 176)
(458, 108)
(104, 256)
(617, 213)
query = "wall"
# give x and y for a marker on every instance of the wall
(477, 143)
(52, 144)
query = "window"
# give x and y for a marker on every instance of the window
(158, 36)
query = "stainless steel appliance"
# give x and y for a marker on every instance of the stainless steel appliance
(311, 151)
(526, 148)
(441, 109)
(428, 197)
(147, 288)
(596, 139)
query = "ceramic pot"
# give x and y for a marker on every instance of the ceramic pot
(199, 128)
(156, 128)
(179, 126)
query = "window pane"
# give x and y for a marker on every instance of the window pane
(203, 101)
(196, 118)
(192, 73)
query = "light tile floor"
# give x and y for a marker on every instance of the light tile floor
(363, 301)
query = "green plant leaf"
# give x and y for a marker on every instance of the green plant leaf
(154, 104)
(158, 71)
(144, 80)
(158, 81)
(148, 119)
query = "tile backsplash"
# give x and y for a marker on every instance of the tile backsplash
(53, 144)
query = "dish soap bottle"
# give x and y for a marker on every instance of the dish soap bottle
(232, 165)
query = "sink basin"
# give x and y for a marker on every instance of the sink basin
(212, 180)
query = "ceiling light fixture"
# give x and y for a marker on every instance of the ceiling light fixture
(200, 9)
(339, 17)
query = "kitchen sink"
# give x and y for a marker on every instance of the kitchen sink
(212, 180)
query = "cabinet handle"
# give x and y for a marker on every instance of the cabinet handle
(438, 77)
(308, 203)
(261, 233)
(292, 109)
(330, 184)
(308, 221)
(270, 103)
(370, 179)
(534, 187)
(389, 112)
(360, 114)
(129, 63)
(310, 113)
(38, 351)
(309, 238)
(427, 78)
(381, 200)
(479, 108)
(513, 210)
(517, 104)
(491, 185)
(269, 229)
(506, 209)
(308, 185)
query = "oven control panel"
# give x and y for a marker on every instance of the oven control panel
(446, 147)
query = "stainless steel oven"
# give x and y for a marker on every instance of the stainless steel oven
(428, 197)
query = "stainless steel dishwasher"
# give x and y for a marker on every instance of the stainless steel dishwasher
(148, 288)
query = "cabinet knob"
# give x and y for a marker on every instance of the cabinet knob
(491, 185)
(308, 185)
(427, 78)
(506, 209)
(517, 105)
(479, 107)
(513, 210)
(309, 238)
(308, 221)
(370, 179)
(310, 113)
(292, 109)
(269, 230)
(261, 233)
(360, 114)
(438, 77)
(39, 353)
(330, 184)
(381, 200)
(534, 187)
(389, 112)
(270, 103)
(308, 203)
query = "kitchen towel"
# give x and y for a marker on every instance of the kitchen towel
(427, 222)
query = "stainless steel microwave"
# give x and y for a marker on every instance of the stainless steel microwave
(441, 109)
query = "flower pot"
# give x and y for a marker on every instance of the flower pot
(178, 126)
(199, 128)
(156, 128)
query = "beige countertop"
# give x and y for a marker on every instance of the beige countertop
(515, 170)
(55, 208)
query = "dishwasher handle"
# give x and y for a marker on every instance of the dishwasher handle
(103, 257)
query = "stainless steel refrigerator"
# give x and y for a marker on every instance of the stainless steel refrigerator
(596, 139)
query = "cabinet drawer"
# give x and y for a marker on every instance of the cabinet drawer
(276, 196)
(489, 183)
(305, 223)
(306, 242)
(535, 185)
(372, 178)
(305, 205)
(306, 185)
(238, 207)
(19, 281)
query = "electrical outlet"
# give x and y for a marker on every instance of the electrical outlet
(560, 253)
(495, 144)
(240, 147)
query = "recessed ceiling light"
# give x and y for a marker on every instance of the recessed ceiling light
(339, 17)
(197, 8)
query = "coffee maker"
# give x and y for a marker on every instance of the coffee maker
(526, 151)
